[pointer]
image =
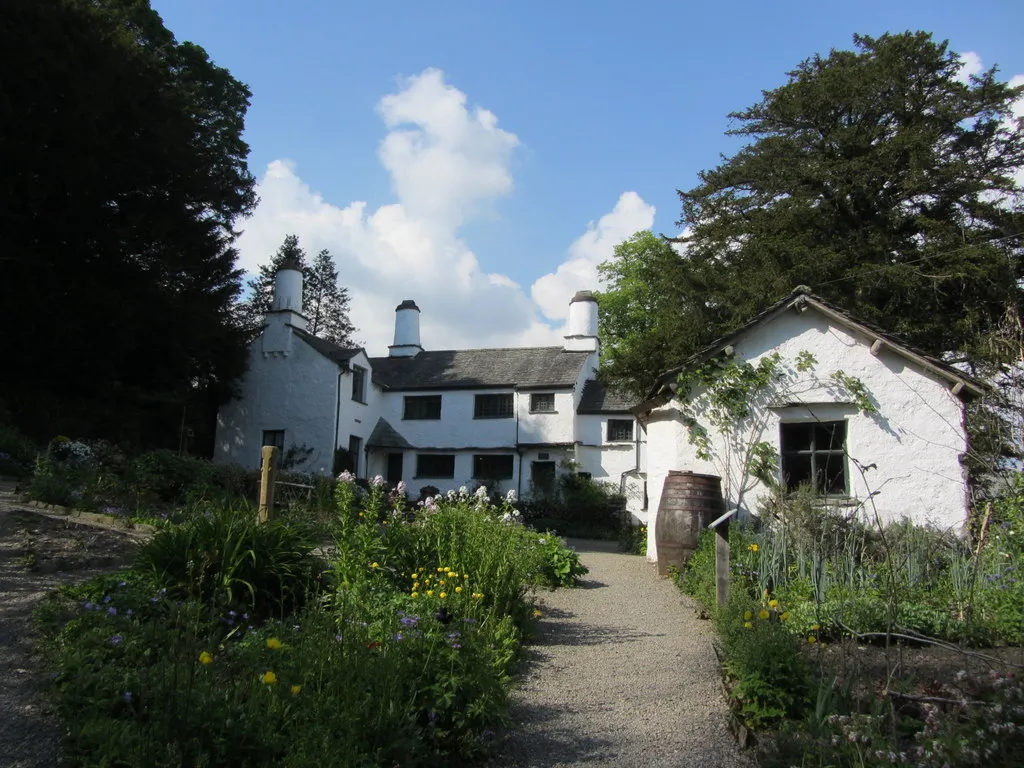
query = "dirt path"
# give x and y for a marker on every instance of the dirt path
(622, 673)
(38, 553)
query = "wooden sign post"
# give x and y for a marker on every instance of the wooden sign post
(721, 528)
(268, 475)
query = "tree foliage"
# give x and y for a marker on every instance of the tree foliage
(324, 302)
(878, 178)
(123, 173)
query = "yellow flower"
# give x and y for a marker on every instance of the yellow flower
(443, 595)
(422, 570)
(430, 593)
(274, 644)
(205, 658)
(815, 627)
(375, 565)
(773, 603)
(415, 593)
(296, 689)
(537, 614)
(442, 581)
(452, 575)
(812, 639)
(763, 614)
(753, 547)
(748, 625)
(465, 575)
(784, 616)
(478, 595)
(269, 678)
(360, 514)
(440, 570)
(414, 576)
(458, 589)
(747, 615)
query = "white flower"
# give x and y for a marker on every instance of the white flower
(377, 481)
(451, 495)
(346, 477)
(481, 493)
(463, 490)
(401, 486)
(510, 497)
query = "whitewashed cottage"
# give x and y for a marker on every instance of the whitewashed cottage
(515, 417)
(903, 459)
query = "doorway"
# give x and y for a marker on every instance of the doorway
(394, 473)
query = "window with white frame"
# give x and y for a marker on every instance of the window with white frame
(814, 454)
(358, 384)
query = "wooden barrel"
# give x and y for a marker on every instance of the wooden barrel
(688, 503)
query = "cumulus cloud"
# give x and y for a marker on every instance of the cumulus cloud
(579, 271)
(970, 64)
(447, 162)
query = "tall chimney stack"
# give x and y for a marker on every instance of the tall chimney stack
(582, 327)
(407, 330)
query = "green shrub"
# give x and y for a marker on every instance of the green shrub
(225, 558)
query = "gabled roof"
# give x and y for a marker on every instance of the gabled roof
(524, 367)
(800, 299)
(330, 350)
(597, 399)
(386, 436)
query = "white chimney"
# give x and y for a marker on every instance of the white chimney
(285, 310)
(582, 326)
(407, 330)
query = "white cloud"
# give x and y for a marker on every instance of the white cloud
(579, 271)
(970, 64)
(447, 164)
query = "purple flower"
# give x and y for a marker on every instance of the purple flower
(122, 584)
(409, 621)
(116, 640)
(339, 638)
(456, 646)
(469, 620)
(232, 613)
(245, 616)
(107, 599)
(432, 716)
(128, 612)
(454, 635)
(128, 696)
(112, 611)
(399, 636)
(88, 606)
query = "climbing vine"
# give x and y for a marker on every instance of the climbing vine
(733, 399)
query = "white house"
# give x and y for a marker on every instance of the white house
(903, 459)
(515, 417)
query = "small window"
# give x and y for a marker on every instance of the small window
(584, 475)
(358, 384)
(435, 465)
(355, 447)
(620, 430)
(542, 402)
(422, 407)
(492, 467)
(274, 437)
(814, 453)
(493, 407)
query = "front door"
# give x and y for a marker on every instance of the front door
(542, 476)
(394, 468)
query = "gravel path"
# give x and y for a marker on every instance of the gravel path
(29, 734)
(623, 673)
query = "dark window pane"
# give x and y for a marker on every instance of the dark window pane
(796, 469)
(422, 407)
(830, 435)
(831, 469)
(492, 467)
(493, 406)
(358, 384)
(435, 465)
(797, 437)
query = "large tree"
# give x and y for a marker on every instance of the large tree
(324, 302)
(123, 172)
(879, 178)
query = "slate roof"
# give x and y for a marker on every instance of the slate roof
(597, 399)
(524, 367)
(802, 296)
(386, 436)
(334, 353)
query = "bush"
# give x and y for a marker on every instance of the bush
(17, 452)
(227, 560)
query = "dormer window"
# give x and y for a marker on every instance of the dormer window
(358, 384)
(542, 402)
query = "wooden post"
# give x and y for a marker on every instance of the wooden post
(268, 475)
(722, 563)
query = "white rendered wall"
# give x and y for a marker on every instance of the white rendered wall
(358, 418)
(294, 390)
(915, 440)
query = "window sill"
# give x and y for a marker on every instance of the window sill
(495, 479)
(431, 477)
(432, 418)
(361, 402)
(490, 418)
(624, 441)
(544, 412)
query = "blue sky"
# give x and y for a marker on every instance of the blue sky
(490, 220)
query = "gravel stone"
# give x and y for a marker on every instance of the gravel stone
(622, 672)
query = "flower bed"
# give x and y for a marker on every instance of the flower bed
(231, 644)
